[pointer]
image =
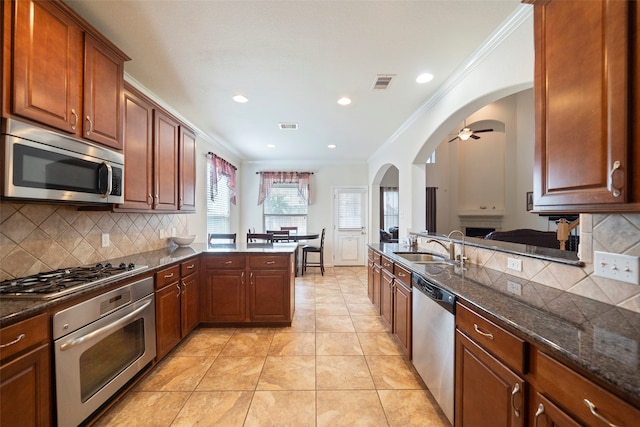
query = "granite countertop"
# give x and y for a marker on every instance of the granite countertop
(16, 309)
(600, 338)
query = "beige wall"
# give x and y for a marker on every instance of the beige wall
(35, 237)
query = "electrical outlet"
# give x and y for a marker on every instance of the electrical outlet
(162, 234)
(514, 287)
(625, 268)
(173, 231)
(514, 264)
(105, 240)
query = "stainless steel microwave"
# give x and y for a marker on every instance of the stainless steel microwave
(45, 165)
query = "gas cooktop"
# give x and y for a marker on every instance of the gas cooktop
(57, 283)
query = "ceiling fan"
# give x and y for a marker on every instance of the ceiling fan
(466, 133)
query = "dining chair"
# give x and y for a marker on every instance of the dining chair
(259, 238)
(279, 235)
(306, 249)
(222, 238)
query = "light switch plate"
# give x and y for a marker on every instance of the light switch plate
(105, 240)
(625, 268)
(514, 287)
(514, 264)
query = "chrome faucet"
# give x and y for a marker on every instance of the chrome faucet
(451, 248)
(452, 245)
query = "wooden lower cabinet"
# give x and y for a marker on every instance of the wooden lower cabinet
(25, 373)
(402, 316)
(241, 288)
(488, 393)
(190, 295)
(177, 304)
(563, 398)
(386, 298)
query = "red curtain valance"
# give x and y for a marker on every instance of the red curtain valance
(221, 167)
(268, 179)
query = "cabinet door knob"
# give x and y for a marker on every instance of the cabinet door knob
(75, 119)
(595, 413)
(516, 390)
(539, 412)
(90, 126)
(614, 191)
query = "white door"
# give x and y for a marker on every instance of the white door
(350, 219)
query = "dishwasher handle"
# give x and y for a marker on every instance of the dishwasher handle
(443, 297)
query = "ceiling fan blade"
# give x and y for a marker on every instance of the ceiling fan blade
(451, 140)
(475, 137)
(483, 130)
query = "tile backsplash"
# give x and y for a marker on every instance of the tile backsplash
(617, 233)
(36, 237)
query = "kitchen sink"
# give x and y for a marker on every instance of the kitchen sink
(422, 257)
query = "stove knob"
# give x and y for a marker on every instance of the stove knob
(123, 265)
(132, 266)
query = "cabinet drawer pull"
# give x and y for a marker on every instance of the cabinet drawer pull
(228, 262)
(270, 262)
(484, 334)
(595, 413)
(402, 274)
(168, 276)
(16, 341)
(539, 412)
(614, 191)
(516, 390)
(189, 267)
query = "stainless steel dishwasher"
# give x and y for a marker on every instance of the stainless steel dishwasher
(433, 340)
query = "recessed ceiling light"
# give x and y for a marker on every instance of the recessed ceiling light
(241, 99)
(271, 146)
(344, 101)
(331, 146)
(424, 78)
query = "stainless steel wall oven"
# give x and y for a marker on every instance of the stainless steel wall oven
(99, 345)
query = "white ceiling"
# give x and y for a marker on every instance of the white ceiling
(293, 60)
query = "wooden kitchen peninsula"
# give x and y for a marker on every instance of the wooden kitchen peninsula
(245, 284)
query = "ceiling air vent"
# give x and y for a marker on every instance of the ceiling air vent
(383, 81)
(288, 126)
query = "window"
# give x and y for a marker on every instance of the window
(284, 207)
(218, 210)
(389, 200)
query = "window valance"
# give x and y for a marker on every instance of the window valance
(269, 179)
(221, 167)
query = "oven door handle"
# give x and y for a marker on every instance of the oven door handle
(105, 329)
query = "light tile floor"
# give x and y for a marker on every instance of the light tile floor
(337, 365)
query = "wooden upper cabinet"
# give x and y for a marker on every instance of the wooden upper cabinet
(47, 65)
(584, 148)
(166, 135)
(65, 75)
(187, 181)
(138, 152)
(103, 85)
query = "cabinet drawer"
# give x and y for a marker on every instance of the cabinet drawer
(168, 275)
(570, 390)
(190, 266)
(504, 345)
(269, 261)
(386, 263)
(402, 275)
(23, 335)
(225, 261)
